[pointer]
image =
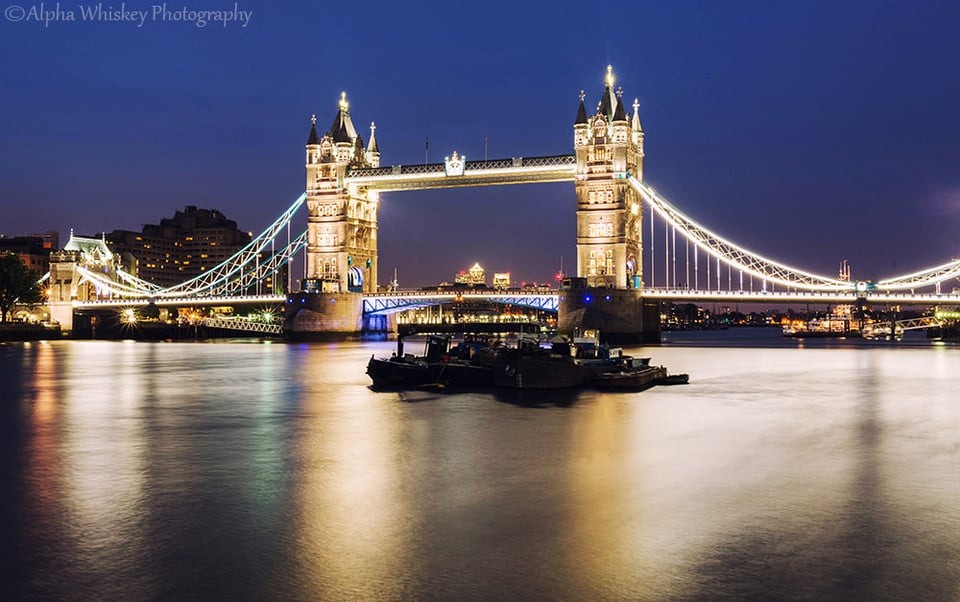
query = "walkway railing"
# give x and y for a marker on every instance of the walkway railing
(243, 325)
(438, 168)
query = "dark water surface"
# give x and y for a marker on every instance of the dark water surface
(250, 471)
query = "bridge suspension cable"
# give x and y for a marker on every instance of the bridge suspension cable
(234, 275)
(230, 270)
(928, 277)
(732, 255)
(738, 258)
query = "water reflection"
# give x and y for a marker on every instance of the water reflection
(250, 471)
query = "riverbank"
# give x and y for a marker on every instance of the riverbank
(19, 331)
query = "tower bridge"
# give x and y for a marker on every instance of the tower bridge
(623, 227)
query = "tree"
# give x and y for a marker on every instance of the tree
(18, 284)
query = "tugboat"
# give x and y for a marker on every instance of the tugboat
(529, 366)
(632, 374)
(439, 366)
(562, 366)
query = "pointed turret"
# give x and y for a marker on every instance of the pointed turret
(342, 135)
(581, 127)
(636, 128)
(619, 115)
(372, 155)
(581, 112)
(314, 138)
(372, 147)
(343, 122)
(635, 124)
(608, 102)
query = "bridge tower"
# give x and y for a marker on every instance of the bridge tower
(609, 148)
(341, 255)
(341, 220)
(68, 285)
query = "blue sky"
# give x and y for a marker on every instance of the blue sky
(809, 132)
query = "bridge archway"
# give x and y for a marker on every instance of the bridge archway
(355, 279)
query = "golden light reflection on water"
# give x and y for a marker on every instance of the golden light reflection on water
(43, 450)
(351, 510)
(106, 464)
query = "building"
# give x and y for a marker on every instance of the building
(501, 280)
(33, 249)
(474, 276)
(179, 248)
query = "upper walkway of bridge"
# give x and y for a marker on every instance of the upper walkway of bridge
(456, 172)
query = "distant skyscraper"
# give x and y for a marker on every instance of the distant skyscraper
(475, 275)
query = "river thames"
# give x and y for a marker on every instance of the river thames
(252, 471)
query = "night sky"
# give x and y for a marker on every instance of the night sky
(809, 132)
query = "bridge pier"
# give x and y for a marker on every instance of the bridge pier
(323, 316)
(61, 312)
(623, 316)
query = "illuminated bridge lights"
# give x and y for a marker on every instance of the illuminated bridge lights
(180, 301)
(516, 170)
(256, 262)
(389, 303)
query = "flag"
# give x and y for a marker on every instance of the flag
(426, 144)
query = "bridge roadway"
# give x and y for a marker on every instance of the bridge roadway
(388, 303)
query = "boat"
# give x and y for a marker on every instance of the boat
(476, 363)
(544, 370)
(832, 326)
(674, 379)
(632, 378)
(563, 365)
(461, 367)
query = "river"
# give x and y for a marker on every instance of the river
(253, 470)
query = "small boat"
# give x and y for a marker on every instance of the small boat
(633, 378)
(674, 379)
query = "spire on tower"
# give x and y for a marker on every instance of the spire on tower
(342, 121)
(372, 147)
(582, 111)
(619, 115)
(314, 138)
(342, 134)
(608, 101)
(636, 116)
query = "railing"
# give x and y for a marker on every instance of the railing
(438, 168)
(387, 303)
(186, 301)
(243, 325)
